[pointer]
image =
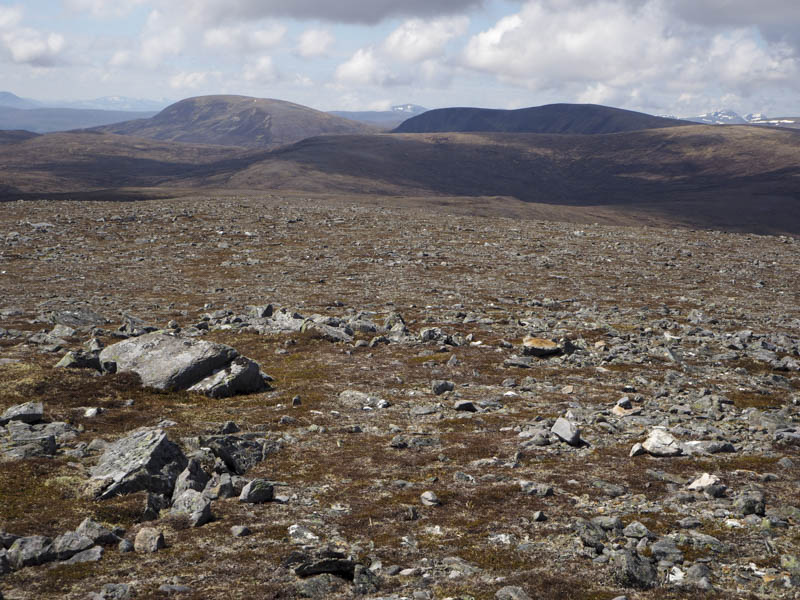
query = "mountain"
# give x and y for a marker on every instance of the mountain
(13, 101)
(719, 117)
(740, 178)
(763, 120)
(236, 121)
(44, 120)
(552, 118)
(385, 119)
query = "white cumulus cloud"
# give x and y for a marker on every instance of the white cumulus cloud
(261, 70)
(314, 43)
(418, 39)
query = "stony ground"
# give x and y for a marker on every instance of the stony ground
(694, 332)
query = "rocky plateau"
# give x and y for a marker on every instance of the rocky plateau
(265, 396)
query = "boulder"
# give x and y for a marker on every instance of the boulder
(96, 532)
(31, 550)
(79, 359)
(144, 460)
(168, 361)
(241, 376)
(256, 492)
(567, 431)
(149, 540)
(29, 412)
(193, 477)
(195, 505)
(69, 544)
(633, 570)
(662, 443)
(238, 453)
(540, 347)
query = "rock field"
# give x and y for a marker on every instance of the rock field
(273, 397)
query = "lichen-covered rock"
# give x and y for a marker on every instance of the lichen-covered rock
(31, 550)
(144, 460)
(195, 505)
(256, 492)
(168, 361)
(149, 540)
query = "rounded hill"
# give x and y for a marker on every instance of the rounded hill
(552, 118)
(237, 121)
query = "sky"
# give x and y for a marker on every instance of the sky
(678, 57)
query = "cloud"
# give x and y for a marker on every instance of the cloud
(363, 68)
(10, 16)
(245, 39)
(192, 79)
(343, 11)
(627, 52)
(417, 39)
(31, 47)
(159, 40)
(27, 46)
(261, 70)
(314, 43)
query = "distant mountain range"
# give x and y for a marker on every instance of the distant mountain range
(385, 119)
(729, 117)
(32, 115)
(552, 118)
(236, 121)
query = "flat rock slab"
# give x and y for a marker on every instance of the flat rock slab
(144, 460)
(30, 412)
(168, 361)
(534, 346)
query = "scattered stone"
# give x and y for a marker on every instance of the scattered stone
(257, 492)
(195, 505)
(511, 592)
(439, 387)
(633, 570)
(429, 499)
(149, 540)
(567, 431)
(240, 531)
(662, 443)
(539, 347)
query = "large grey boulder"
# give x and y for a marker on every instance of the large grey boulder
(144, 460)
(168, 361)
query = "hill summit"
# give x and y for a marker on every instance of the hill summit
(236, 121)
(551, 118)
